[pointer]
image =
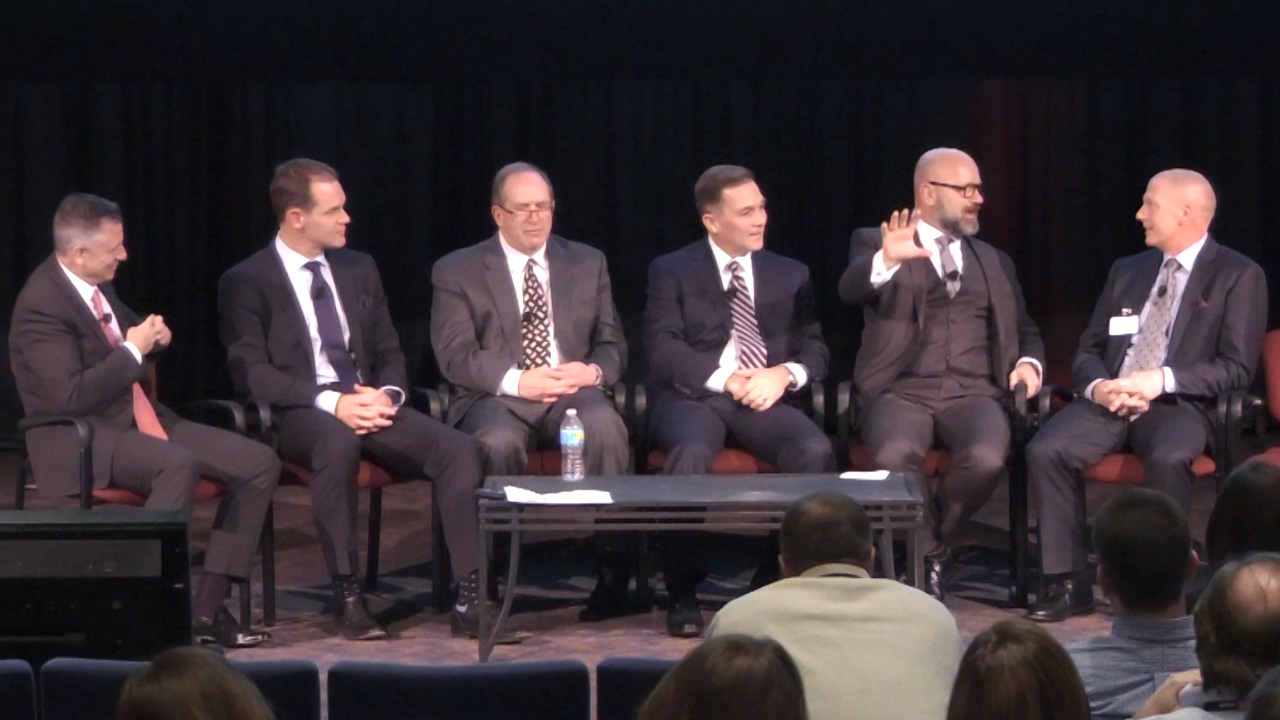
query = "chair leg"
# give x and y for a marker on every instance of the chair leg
(1018, 528)
(246, 604)
(442, 572)
(20, 494)
(375, 537)
(269, 567)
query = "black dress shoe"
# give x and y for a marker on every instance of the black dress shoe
(937, 569)
(465, 622)
(222, 629)
(684, 618)
(609, 597)
(353, 620)
(1062, 600)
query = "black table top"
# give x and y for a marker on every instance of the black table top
(680, 490)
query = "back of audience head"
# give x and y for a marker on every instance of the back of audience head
(730, 677)
(1264, 701)
(1144, 552)
(825, 528)
(190, 683)
(1238, 624)
(1017, 671)
(1246, 515)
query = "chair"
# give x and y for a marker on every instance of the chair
(624, 683)
(79, 689)
(17, 691)
(937, 461)
(1271, 374)
(549, 690)
(222, 413)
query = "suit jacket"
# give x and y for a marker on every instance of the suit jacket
(894, 313)
(687, 320)
(64, 364)
(475, 318)
(269, 351)
(1216, 337)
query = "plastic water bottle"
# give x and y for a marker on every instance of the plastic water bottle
(573, 438)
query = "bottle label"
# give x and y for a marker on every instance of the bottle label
(570, 437)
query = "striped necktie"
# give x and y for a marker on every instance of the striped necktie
(751, 348)
(144, 413)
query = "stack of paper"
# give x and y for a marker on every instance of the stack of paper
(521, 496)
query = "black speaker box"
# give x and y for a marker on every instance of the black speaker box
(100, 583)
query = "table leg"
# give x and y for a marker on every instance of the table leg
(886, 554)
(916, 539)
(512, 574)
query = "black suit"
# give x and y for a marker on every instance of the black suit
(904, 405)
(64, 364)
(271, 358)
(1213, 347)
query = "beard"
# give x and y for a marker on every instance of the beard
(959, 226)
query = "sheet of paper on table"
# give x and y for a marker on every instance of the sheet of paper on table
(873, 475)
(520, 496)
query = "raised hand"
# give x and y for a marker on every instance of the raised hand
(898, 238)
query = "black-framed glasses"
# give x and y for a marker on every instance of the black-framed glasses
(966, 191)
(542, 208)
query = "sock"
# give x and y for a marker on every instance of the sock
(469, 589)
(211, 590)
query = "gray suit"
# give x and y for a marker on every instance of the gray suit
(475, 332)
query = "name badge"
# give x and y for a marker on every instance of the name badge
(1126, 323)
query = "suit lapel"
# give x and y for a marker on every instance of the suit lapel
(560, 273)
(84, 315)
(1000, 293)
(707, 275)
(498, 277)
(349, 292)
(285, 297)
(1200, 274)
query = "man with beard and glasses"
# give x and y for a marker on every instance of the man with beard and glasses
(947, 337)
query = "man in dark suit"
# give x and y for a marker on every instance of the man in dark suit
(524, 328)
(946, 338)
(307, 329)
(732, 334)
(77, 350)
(1175, 326)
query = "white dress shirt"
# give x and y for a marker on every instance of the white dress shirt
(86, 293)
(729, 357)
(929, 235)
(516, 262)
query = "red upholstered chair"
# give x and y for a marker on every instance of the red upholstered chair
(1271, 375)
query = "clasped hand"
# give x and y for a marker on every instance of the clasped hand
(758, 388)
(1130, 395)
(549, 384)
(365, 410)
(150, 334)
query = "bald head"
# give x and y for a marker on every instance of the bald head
(1177, 209)
(1238, 623)
(948, 191)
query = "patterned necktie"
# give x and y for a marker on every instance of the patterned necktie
(1153, 337)
(330, 327)
(950, 273)
(144, 413)
(751, 348)
(535, 333)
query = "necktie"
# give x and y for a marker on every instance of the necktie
(535, 335)
(144, 413)
(752, 352)
(330, 327)
(950, 273)
(1153, 337)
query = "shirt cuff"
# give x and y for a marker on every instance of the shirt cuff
(797, 370)
(133, 350)
(394, 393)
(879, 274)
(716, 382)
(1088, 389)
(1170, 385)
(1033, 363)
(510, 384)
(327, 401)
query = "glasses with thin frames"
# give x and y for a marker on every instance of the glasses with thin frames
(965, 191)
(542, 208)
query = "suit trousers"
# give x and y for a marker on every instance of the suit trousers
(1167, 438)
(693, 431)
(974, 429)
(167, 471)
(414, 446)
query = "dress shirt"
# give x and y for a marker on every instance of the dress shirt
(929, 235)
(86, 292)
(1121, 670)
(301, 278)
(1186, 261)
(729, 358)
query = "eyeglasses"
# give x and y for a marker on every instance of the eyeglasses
(542, 208)
(966, 191)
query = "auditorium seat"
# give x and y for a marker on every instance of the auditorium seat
(546, 690)
(624, 683)
(1271, 376)
(80, 689)
(17, 691)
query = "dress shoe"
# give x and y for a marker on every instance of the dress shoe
(1062, 600)
(223, 630)
(609, 597)
(684, 618)
(353, 620)
(464, 621)
(937, 569)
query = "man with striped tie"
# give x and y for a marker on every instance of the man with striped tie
(732, 334)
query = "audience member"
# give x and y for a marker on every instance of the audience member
(1017, 671)
(1264, 701)
(732, 677)
(885, 648)
(1144, 560)
(190, 683)
(1246, 516)
(1237, 625)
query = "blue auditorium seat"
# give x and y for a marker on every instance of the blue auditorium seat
(555, 690)
(623, 684)
(17, 691)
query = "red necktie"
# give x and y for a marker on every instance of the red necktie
(144, 413)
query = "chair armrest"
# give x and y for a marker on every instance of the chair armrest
(85, 432)
(637, 418)
(226, 414)
(1231, 407)
(844, 421)
(428, 401)
(621, 399)
(819, 405)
